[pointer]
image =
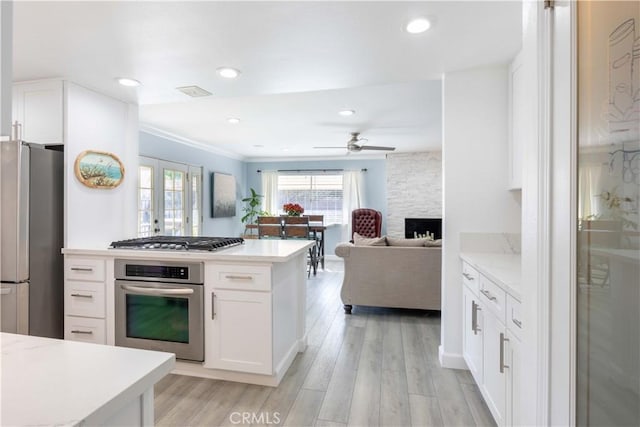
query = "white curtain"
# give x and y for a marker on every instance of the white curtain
(270, 190)
(352, 198)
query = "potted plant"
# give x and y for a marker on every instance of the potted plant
(252, 211)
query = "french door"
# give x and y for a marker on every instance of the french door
(169, 198)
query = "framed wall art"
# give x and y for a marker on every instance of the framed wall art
(99, 169)
(223, 195)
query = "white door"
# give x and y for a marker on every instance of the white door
(169, 198)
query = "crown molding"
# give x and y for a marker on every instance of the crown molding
(151, 130)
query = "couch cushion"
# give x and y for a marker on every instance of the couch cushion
(394, 241)
(358, 240)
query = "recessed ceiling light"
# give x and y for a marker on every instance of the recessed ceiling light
(418, 25)
(233, 120)
(228, 73)
(124, 81)
(346, 112)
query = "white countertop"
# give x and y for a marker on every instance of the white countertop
(54, 382)
(502, 269)
(254, 250)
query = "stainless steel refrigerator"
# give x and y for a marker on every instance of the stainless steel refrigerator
(32, 266)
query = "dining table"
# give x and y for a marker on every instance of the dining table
(318, 228)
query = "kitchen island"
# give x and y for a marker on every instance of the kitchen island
(253, 315)
(54, 382)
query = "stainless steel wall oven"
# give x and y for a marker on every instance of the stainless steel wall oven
(159, 306)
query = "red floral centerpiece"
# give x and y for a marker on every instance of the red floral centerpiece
(293, 209)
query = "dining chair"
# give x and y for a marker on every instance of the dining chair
(297, 227)
(269, 227)
(316, 226)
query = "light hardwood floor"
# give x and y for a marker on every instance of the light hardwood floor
(376, 367)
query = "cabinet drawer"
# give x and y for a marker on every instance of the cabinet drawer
(84, 299)
(470, 277)
(85, 269)
(493, 297)
(514, 315)
(85, 329)
(248, 278)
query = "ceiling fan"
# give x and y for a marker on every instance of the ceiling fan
(354, 147)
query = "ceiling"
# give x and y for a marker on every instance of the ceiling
(301, 62)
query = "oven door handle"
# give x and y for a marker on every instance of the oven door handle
(147, 290)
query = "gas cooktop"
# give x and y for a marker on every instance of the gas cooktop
(180, 243)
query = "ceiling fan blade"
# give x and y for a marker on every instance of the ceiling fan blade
(331, 147)
(377, 147)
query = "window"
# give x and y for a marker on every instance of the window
(317, 194)
(169, 198)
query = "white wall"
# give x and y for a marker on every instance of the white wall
(414, 188)
(94, 217)
(6, 51)
(476, 198)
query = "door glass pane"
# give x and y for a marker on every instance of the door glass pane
(608, 294)
(145, 201)
(174, 212)
(196, 186)
(158, 318)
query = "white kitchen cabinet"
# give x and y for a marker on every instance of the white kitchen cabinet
(514, 385)
(238, 318)
(239, 337)
(492, 333)
(85, 299)
(494, 367)
(472, 333)
(38, 107)
(517, 124)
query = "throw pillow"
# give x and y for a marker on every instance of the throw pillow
(358, 240)
(433, 243)
(394, 241)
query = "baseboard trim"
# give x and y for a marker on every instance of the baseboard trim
(451, 360)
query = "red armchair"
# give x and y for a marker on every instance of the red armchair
(366, 222)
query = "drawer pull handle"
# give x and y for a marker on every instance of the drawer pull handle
(213, 305)
(467, 276)
(502, 341)
(76, 331)
(235, 277)
(517, 322)
(488, 295)
(82, 296)
(86, 269)
(474, 317)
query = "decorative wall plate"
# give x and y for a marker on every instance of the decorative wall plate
(99, 169)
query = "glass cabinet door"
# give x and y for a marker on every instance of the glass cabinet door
(608, 293)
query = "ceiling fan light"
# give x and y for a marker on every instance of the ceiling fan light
(346, 112)
(233, 120)
(418, 25)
